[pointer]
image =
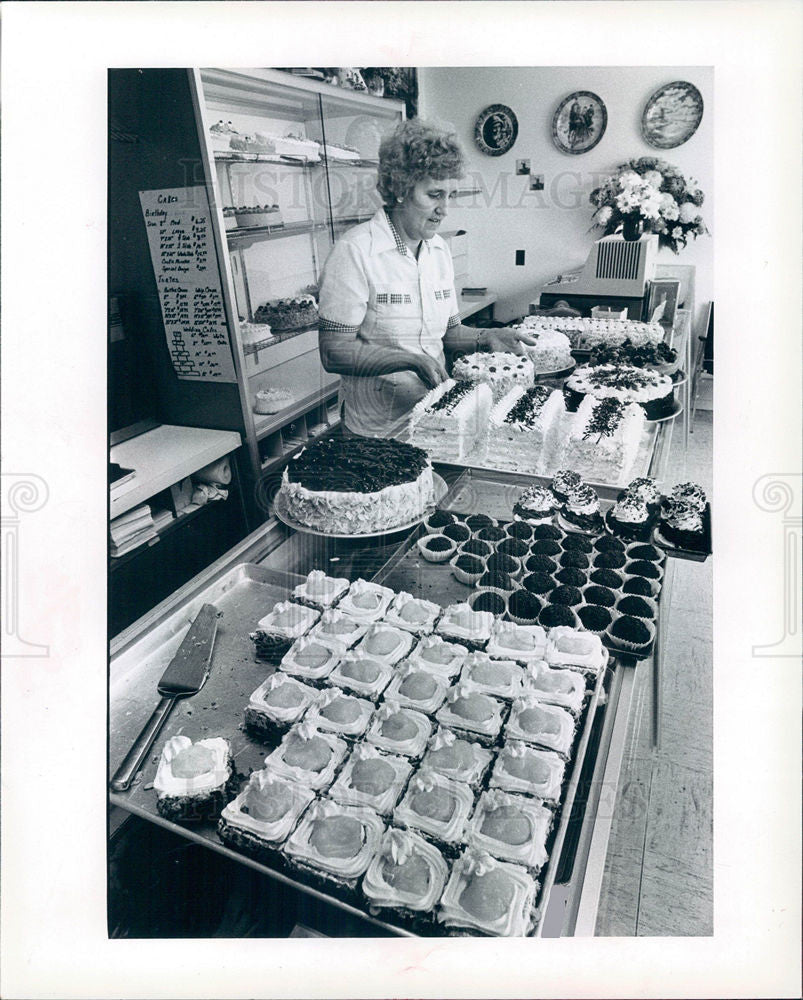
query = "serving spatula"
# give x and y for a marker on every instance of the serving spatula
(185, 675)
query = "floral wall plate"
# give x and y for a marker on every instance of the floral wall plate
(579, 122)
(496, 129)
(671, 116)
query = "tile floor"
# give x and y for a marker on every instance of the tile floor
(658, 873)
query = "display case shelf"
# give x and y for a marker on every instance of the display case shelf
(271, 422)
(246, 237)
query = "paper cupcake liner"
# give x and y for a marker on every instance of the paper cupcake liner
(461, 549)
(461, 574)
(575, 623)
(659, 559)
(647, 600)
(437, 529)
(517, 568)
(623, 645)
(511, 534)
(436, 557)
(525, 621)
(473, 598)
(594, 631)
(627, 571)
(654, 584)
(616, 591)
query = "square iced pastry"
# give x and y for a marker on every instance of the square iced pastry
(435, 806)
(399, 730)
(289, 620)
(566, 647)
(267, 808)
(547, 726)
(278, 703)
(487, 895)
(342, 714)
(308, 756)
(415, 687)
(372, 778)
(362, 674)
(319, 590)
(193, 779)
(470, 627)
(511, 828)
(366, 602)
(337, 630)
(412, 613)
(406, 873)
(311, 660)
(469, 710)
(385, 643)
(439, 656)
(566, 688)
(456, 758)
(522, 768)
(498, 678)
(524, 643)
(337, 839)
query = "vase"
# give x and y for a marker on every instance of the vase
(632, 227)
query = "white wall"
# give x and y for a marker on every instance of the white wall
(552, 225)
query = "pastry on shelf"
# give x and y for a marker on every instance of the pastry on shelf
(194, 780)
(272, 399)
(256, 216)
(221, 134)
(254, 335)
(288, 314)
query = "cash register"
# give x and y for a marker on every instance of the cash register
(616, 274)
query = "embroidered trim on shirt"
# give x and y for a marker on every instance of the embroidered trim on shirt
(443, 293)
(453, 321)
(330, 326)
(393, 298)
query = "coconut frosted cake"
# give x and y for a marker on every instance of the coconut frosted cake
(451, 419)
(603, 438)
(525, 429)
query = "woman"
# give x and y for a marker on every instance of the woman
(387, 300)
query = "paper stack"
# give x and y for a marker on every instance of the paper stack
(132, 529)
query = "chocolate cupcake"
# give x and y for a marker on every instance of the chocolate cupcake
(540, 564)
(594, 617)
(577, 543)
(496, 581)
(571, 576)
(609, 560)
(607, 578)
(538, 583)
(488, 600)
(475, 547)
(436, 548)
(682, 525)
(477, 521)
(501, 563)
(599, 595)
(468, 569)
(520, 529)
(638, 585)
(523, 607)
(631, 634)
(439, 519)
(581, 509)
(643, 568)
(490, 533)
(636, 606)
(629, 518)
(648, 552)
(547, 531)
(535, 504)
(513, 547)
(545, 547)
(457, 532)
(563, 482)
(556, 614)
(646, 489)
(606, 543)
(577, 559)
(568, 596)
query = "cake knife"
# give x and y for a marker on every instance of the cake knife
(185, 675)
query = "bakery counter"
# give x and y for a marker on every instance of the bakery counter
(261, 570)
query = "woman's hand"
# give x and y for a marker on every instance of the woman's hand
(430, 371)
(507, 339)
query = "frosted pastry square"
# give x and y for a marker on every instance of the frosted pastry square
(366, 602)
(326, 828)
(364, 675)
(308, 756)
(193, 780)
(526, 769)
(498, 678)
(337, 630)
(372, 778)
(289, 620)
(567, 647)
(456, 758)
(268, 807)
(435, 806)
(511, 828)
(566, 688)
(319, 590)
(487, 895)
(279, 701)
(412, 613)
(461, 623)
(385, 643)
(441, 657)
(547, 726)
(406, 873)
(343, 714)
(310, 660)
(416, 687)
(399, 730)
(471, 711)
(510, 641)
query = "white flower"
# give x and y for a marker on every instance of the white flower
(669, 207)
(653, 177)
(689, 212)
(604, 215)
(629, 178)
(677, 232)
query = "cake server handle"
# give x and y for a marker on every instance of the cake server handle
(124, 774)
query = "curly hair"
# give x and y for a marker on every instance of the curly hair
(414, 150)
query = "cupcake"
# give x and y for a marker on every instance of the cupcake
(519, 529)
(436, 548)
(603, 596)
(467, 569)
(563, 482)
(556, 614)
(581, 509)
(629, 518)
(638, 607)
(438, 520)
(488, 600)
(682, 525)
(540, 564)
(633, 635)
(595, 618)
(640, 567)
(606, 543)
(545, 547)
(606, 578)
(513, 547)
(477, 521)
(609, 560)
(547, 531)
(491, 533)
(567, 596)
(538, 583)
(648, 552)
(535, 505)
(496, 580)
(646, 489)
(639, 585)
(691, 494)
(475, 547)
(577, 543)
(577, 559)
(523, 607)
(571, 576)
(457, 532)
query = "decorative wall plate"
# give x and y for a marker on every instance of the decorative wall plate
(579, 122)
(671, 116)
(496, 129)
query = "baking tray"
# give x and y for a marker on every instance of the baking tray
(243, 595)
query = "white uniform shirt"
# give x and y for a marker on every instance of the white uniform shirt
(373, 287)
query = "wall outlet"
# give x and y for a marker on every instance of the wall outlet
(519, 257)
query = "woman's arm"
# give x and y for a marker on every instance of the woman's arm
(343, 353)
(468, 339)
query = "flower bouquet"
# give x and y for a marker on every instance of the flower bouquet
(649, 195)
